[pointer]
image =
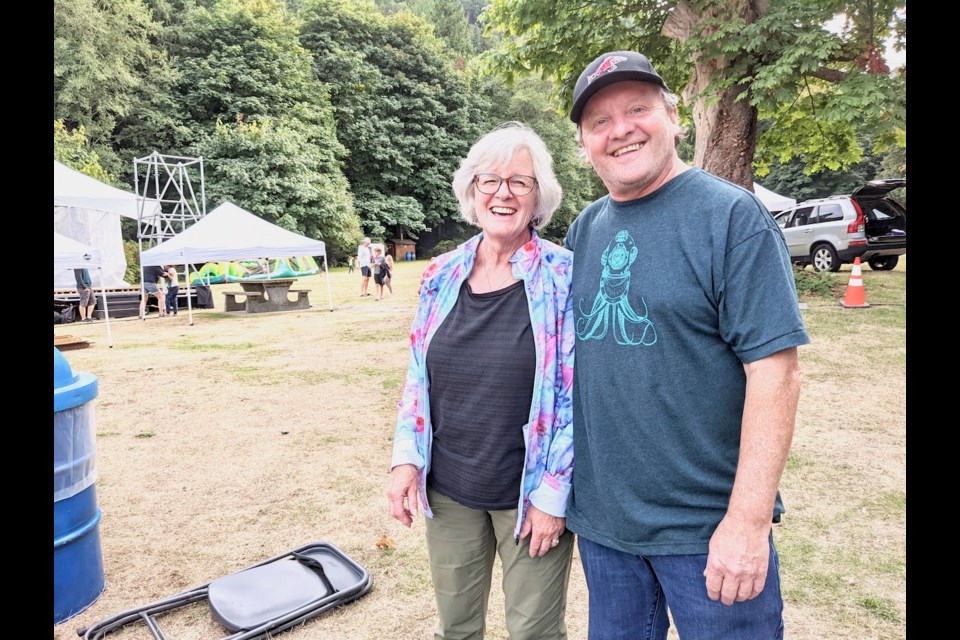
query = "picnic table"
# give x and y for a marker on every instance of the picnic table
(259, 296)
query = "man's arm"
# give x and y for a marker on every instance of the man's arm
(740, 548)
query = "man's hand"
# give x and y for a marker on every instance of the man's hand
(738, 560)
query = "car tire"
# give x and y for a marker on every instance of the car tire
(824, 258)
(883, 263)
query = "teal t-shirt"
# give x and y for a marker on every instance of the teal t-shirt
(672, 294)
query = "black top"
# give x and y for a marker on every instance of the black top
(152, 274)
(481, 365)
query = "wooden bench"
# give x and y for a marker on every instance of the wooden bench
(230, 299)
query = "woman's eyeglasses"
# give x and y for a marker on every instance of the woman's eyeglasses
(489, 183)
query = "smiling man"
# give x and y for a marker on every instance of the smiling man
(686, 384)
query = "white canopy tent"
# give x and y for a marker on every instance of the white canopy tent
(88, 211)
(772, 201)
(231, 233)
(68, 255)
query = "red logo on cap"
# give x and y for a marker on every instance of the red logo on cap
(609, 64)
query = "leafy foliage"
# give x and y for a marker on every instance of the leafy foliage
(109, 76)
(70, 148)
(275, 169)
(241, 62)
(401, 108)
(822, 284)
(816, 87)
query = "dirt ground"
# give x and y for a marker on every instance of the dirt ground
(240, 437)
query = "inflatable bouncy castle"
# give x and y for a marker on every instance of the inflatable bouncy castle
(220, 272)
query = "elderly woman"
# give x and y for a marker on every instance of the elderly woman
(483, 442)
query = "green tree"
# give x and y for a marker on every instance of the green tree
(274, 169)
(70, 148)
(401, 106)
(241, 63)
(109, 76)
(737, 61)
(243, 58)
(449, 19)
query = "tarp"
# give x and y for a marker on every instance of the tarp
(88, 211)
(231, 233)
(74, 189)
(772, 201)
(68, 254)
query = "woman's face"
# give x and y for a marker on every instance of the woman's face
(503, 216)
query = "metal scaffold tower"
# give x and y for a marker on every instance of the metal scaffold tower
(167, 204)
(166, 181)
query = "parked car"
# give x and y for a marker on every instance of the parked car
(867, 224)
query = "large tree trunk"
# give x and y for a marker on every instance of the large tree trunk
(726, 129)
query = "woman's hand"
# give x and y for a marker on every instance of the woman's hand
(543, 529)
(403, 486)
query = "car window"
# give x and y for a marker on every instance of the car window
(800, 218)
(829, 213)
(783, 218)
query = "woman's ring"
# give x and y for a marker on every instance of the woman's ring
(555, 542)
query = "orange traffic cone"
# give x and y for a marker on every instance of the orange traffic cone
(856, 297)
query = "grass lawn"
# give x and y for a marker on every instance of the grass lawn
(237, 438)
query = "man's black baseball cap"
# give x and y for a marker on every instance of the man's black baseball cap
(615, 66)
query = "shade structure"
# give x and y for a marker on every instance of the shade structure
(772, 201)
(68, 254)
(232, 233)
(74, 189)
(89, 211)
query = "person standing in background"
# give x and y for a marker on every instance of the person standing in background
(363, 261)
(388, 272)
(151, 276)
(173, 290)
(85, 292)
(378, 263)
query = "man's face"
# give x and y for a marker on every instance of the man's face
(628, 135)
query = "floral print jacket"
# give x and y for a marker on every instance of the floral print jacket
(545, 269)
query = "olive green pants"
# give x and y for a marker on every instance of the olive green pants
(462, 543)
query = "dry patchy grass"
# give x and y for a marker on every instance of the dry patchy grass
(241, 437)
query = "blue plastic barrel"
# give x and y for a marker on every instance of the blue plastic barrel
(77, 560)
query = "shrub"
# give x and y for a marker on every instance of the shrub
(822, 284)
(131, 251)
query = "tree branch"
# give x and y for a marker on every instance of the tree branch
(830, 75)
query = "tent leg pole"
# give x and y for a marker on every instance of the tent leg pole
(106, 309)
(326, 272)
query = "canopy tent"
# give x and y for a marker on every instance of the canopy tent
(231, 233)
(772, 201)
(68, 254)
(89, 211)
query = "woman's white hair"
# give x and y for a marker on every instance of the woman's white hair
(496, 149)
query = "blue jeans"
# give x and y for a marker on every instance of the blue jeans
(629, 596)
(172, 303)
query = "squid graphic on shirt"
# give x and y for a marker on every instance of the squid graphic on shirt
(611, 308)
